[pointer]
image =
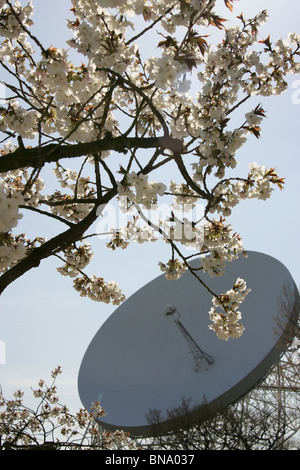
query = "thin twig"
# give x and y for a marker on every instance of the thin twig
(48, 214)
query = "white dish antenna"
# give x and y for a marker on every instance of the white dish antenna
(156, 349)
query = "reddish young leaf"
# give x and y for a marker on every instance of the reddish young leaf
(168, 42)
(267, 43)
(217, 21)
(255, 130)
(147, 13)
(259, 111)
(202, 44)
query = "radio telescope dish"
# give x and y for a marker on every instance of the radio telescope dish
(156, 349)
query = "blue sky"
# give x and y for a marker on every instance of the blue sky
(45, 323)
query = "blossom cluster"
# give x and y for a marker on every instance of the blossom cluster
(10, 26)
(184, 197)
(11, 249)
(134, 231)
(76, 258)
(79, 189)
(27, 189)
(220, 246)
(160, 222)
(173, 269)
(97, 289)
(101, 37)
(259, 184)
(103, 86)
(52, 426)
(15, 192)
(227, 325)
(9, 209)
(140, 191)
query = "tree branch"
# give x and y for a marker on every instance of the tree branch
(48, 214)
(56, 243)
(38, 156)
(188, 179)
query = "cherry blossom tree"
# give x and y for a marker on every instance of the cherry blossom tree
(51, 426)
(266, 418)
(104, 117)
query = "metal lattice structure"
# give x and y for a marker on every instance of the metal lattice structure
(266, 418)
(200, 357)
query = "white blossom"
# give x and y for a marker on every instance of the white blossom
(102, 86)
(9, 208)
(227, 324)
(173, 269)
